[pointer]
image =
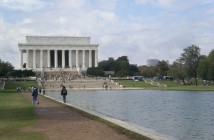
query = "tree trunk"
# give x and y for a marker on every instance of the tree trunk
(196, 81)
(183, 81)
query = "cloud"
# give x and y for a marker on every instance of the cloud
(27, 21)
(140, 34)
(23, 5)
(8, 43)
(162, 3)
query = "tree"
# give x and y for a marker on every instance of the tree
(147, 71)
(190, 57)
(203, 67)
(133, 70)
(162, 68)
(95, 71)
(15, 73)
(27, 73)
(177, 70)
(112, 63)
(104, 65)
(107, 65)
(210, 74)
(5, 67)
(122, 66)
(20, 73)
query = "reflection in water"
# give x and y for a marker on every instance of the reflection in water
(182, 115)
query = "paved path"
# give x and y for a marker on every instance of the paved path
(60, 122)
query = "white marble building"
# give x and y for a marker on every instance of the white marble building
(58, 52)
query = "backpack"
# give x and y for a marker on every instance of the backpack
(64, 92)
(35, 92)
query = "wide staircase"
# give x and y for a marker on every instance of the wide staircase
(73, 81)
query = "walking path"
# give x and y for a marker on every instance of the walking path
(60, 122)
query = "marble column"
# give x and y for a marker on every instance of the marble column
(96, 58)
(77, 58)
(83, 59)
(41, 58)
(21, 59)
(48, 58)
(56, 58)
(34, 59)
(63, 59)
(90, 59)
(70, 58)
(27, 59)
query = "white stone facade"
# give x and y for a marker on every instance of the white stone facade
(57, 52)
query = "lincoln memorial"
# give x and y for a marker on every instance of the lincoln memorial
(57, 52)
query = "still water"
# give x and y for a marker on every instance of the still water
(179, 115)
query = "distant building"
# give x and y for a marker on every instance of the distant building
(152, 62)
(58, 52)
(167, 61)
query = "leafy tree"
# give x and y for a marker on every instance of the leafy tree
(133, 70)
(112, 63)
(177, 70)
(147, 71)
(210, 74)
(20, 73)
(190, 57)
(203, 67)
(95, 71)
(27, 73)
(107, 65)
(122, 66)
(15, 73)
(162, 68)
(5, 67)
(104, 65)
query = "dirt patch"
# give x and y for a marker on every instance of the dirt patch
(59, 122)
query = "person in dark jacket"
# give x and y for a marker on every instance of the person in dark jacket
(34, 95)
(64, 93)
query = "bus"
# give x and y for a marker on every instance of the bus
(137, 78)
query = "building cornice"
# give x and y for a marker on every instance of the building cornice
(29, 44)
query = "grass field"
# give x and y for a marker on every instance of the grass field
(16, 113)
(24, 85)
(171, 85)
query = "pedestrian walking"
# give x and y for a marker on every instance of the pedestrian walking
(34, 96)
(64, 93)
(43, 91)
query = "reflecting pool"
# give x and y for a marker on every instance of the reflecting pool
(183, 115)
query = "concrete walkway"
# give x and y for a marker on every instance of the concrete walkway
(60, 122)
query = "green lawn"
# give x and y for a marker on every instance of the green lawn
(14, 85)
(171, 85)
(16, 112)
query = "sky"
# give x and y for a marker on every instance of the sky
(139, 29)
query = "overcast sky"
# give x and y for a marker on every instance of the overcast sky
(139, 29)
